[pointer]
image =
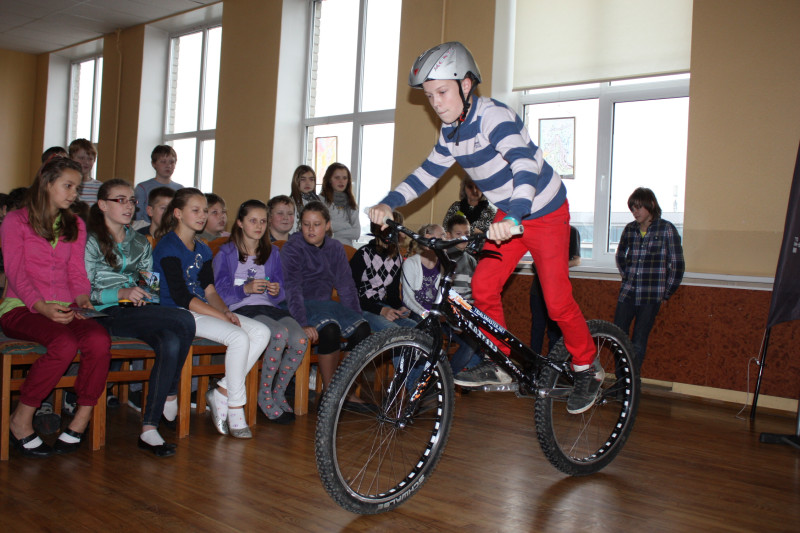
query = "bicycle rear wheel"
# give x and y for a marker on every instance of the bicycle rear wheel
(585, 443)
(372, 457)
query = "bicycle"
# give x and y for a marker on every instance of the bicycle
(375, 455)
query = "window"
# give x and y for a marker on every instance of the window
(352, 86)
(614, 137)
(86, 78)
(192, 105)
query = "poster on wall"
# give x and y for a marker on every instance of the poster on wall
(325, 153)
(557, 141)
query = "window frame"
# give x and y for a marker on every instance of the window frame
(94, 135)
(199, 135)
(358, 118)
(608, 94)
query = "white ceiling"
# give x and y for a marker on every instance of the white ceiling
(38, 26)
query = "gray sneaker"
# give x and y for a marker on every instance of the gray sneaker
(486, 373)
(587, 385)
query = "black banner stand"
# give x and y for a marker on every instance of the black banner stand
(791, 440)
(785, 303)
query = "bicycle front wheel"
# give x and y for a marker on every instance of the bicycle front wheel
(585, 443)
(373, 456)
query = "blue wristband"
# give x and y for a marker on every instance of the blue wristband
(512, 219)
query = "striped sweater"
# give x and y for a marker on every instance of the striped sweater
(494, 148)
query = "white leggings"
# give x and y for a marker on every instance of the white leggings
(245, 345)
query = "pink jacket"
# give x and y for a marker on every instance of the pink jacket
(37, 271)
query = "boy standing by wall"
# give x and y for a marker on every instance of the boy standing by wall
(163, 158)
(650, 261)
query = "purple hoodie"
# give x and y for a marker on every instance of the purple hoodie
(312, 273)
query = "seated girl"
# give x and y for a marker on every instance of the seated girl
(376, 271)
(116, 259)
(314, 265)
(421, 276)
(184, 265)
(249, 278)
(44, 245)
(281, 217)
(337, 195)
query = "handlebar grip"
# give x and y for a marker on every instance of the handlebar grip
(517, 230)
(366, 212)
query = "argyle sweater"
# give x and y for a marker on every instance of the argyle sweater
(377, 278)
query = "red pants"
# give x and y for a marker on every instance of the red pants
(62, 342)
(547, 239)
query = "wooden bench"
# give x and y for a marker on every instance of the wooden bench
(18, 355)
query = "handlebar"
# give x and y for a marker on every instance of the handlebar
(442, 244)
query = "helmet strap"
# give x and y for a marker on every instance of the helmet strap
(466, 105)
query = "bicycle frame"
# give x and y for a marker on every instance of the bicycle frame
(457, 312)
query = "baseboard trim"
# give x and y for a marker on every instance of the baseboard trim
(725, 395)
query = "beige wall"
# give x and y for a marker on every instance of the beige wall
(426, 23)
(247, 93)
(119, 115)
(744, 129)
(17, 87)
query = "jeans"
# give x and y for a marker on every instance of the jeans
(62, 342)
(245, 345)
(465, 356)
(645, 318)
(170, 333)
(379, 323)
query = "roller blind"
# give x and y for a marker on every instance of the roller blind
(580, 41)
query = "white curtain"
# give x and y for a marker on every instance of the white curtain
(566, 42)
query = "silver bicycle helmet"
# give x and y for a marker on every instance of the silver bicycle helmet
(447, 61)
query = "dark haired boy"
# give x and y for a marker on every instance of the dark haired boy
(157, 201)
(650, 261)
(217, 219)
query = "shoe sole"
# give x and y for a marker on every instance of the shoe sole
(484, 383)
(582, 409)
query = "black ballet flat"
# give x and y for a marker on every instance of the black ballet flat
(62, 447)
(285, 418)
(160, 450)
(169, 424)
(42, 450)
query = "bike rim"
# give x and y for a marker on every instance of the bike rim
(589, 436)
(381, 456)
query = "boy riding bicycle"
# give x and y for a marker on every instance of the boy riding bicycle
(491, 143)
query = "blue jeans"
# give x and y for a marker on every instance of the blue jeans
(643, 318)
(379, 323)
(169, 332)
(465, 357)
(320, 313)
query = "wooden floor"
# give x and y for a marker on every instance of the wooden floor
(689, 466)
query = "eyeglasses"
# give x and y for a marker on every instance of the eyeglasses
(122, 200)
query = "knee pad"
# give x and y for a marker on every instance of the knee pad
(329, 339)
(361, 333)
